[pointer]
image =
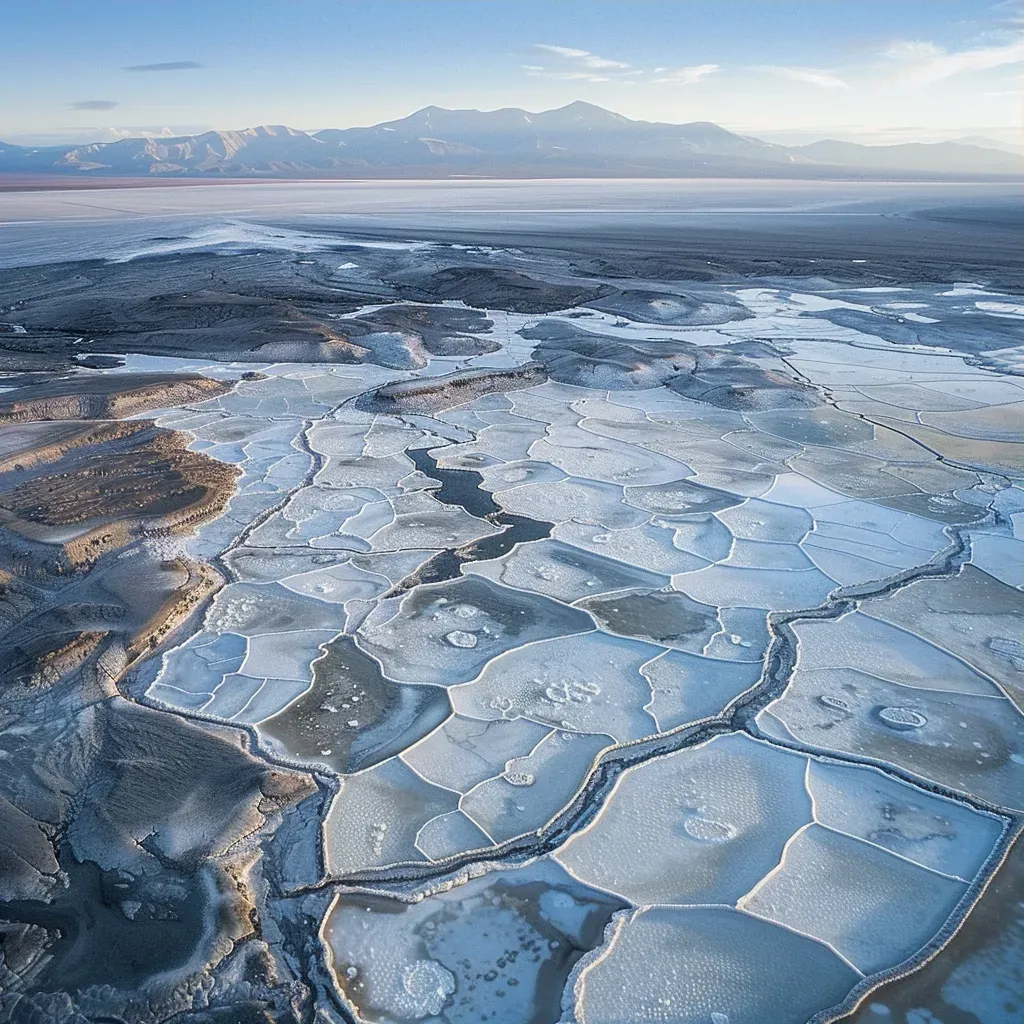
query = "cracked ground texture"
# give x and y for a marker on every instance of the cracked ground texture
(655, 658)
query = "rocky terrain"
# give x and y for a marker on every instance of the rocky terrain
(425, 628)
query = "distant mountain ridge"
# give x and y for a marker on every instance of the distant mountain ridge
(577, 140)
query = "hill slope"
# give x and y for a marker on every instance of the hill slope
(576, 140)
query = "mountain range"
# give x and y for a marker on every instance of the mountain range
(578, 140)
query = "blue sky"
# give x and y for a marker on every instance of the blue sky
(791, 71)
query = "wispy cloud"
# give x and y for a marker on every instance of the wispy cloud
(571, 64)
(93, 105)
(685, 76)
(584, 58)
(924, 62)
(167, 65)
(810, 76)
(574, 65)
(565, 76)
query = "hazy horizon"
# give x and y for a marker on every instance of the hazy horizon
(790, 72)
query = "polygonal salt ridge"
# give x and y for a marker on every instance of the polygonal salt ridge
(394, 566)
(310, 526)
(483, 415)
(194, 420)
(313, 501)
(418, 481)
(413, 645)
(700, 534)
(285, 655)
(687, 688)
(887, 651)
(463, 752)
(473, 462)
(766, 554)
(910, 541)
(502, 476)
(707, 964)
(934, 832)
(337, 583)
(534, 789)
(464, 417)
(721, 813)
(597, 408)
(882, 909)
(756, 519)
(968, 743)
(249, 609)
(508, 932)
(221, 429)
(764, 588)
(676, 436)
(388, 436)
(744, 635)
(352, 718)
(506, 442)
(366, 524)
(926, 487)
(420, 520)
(910, 397)
(577, 498)
(590, 683)
(233, 697)
(1000, 557)
(200, 663)
(449, 835)
(376, 816)
(854, 549)
(649, 547)
(548, 403)
(680, 497)
(380, 474)
(664, 617)
(564, 572)
(973, 616)
(583, 454)
(340, 437)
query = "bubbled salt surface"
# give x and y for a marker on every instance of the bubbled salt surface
(427, 986)
(903, 718)
(794, 504)
(675, 965)
(721, 814)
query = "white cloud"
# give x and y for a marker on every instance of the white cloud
(685, 76)
(582, 58)
(810, 76)
(913, 50)
(574, 65)
(925, 62)
(565, 76)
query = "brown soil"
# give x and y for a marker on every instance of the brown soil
(115, 481)
(84, 397)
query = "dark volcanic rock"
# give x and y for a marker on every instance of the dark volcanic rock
(684, 309)
(215, 306)
(489, 288)
(429, 394)
(443, 331)
(575, 356)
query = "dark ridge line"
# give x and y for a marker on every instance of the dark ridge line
(736, 717)
(740, 716)
(589, 801)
